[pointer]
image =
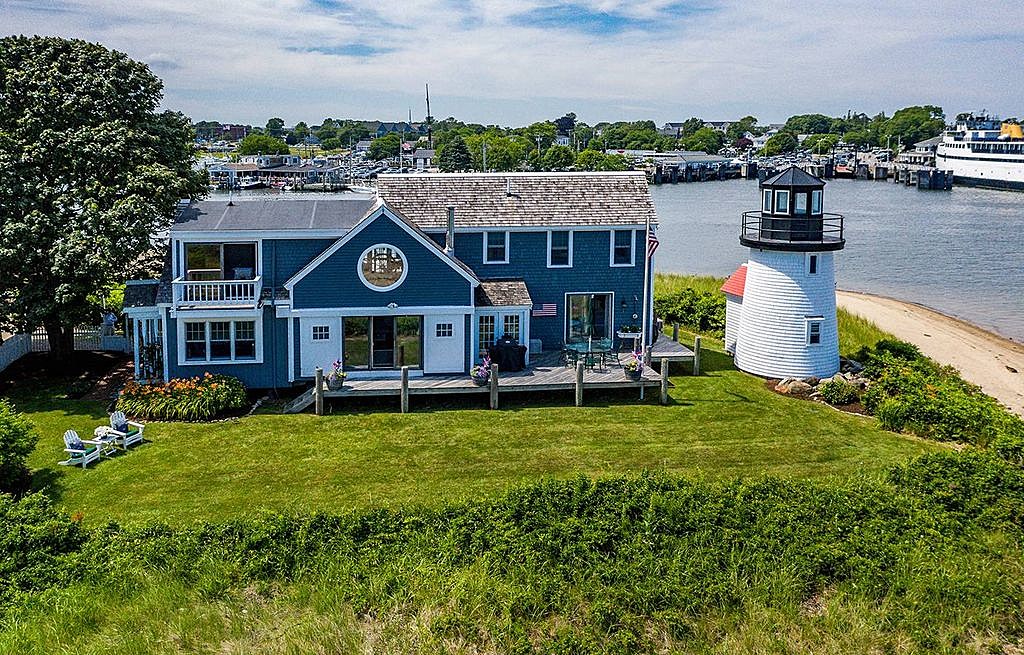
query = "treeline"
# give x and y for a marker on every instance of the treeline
(567, 142)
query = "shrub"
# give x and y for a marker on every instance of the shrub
(702, 311)
(192, 399)
(17, 440)
(37, 543)
(839, 392)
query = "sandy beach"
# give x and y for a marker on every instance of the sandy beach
(994, 363)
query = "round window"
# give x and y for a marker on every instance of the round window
(382, 267)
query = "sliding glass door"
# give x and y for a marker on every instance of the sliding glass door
(588, 315)
(383, 342)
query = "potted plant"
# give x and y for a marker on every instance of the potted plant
(481, 373)
(635, 366)
(336, 378)
(629, 331)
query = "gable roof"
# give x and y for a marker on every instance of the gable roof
(504, 292)
(382, 210)
(737, 282)
(291, 214)
(793, 176)
(520, 199)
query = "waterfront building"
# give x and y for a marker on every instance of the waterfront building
(781, 304)
(429, 274)
(423, 159)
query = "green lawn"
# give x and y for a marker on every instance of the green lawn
(721, 424)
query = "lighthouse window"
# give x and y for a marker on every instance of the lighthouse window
(816, 202)
(814, 331)
(782, 202)
(812, 264)
(766, 201)
(800, 203)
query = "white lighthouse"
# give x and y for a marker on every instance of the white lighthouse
(781, 309)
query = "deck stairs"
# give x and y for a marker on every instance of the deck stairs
(302, 401)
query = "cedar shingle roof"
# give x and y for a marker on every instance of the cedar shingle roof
(520, 199)
(502, 293)
(140, 293)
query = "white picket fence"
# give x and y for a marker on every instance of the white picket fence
(13, 349)
(86, 338)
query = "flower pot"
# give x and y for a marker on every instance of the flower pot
(480, 381)
(634, 375)
(334, 384)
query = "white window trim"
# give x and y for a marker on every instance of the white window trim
(632, 249)
(485, 240)
(821, 201)
(611, 317)
(390, 287)
(569, 265)
(179, 264)
(811, 320)
(807, 266)
(775, 202)
(767, 193)
(257, 334)
(313, 332)
(450, 329)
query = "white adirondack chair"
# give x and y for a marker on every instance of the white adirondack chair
(126, 433)
(80, 451)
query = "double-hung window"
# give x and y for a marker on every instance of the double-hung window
(559, 249)
(495, 247)
(623, 244)
(219, 341)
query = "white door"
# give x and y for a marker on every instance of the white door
(444, 339)
(319, 344)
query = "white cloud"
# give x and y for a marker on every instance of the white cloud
(662, 59)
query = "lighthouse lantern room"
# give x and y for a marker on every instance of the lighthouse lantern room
(781, 309)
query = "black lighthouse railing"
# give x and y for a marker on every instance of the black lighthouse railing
(802, 233)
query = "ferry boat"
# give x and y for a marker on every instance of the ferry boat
(983, 151)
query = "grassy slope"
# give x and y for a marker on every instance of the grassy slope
(722, 424)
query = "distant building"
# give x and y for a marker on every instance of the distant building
(423, 159)
(362, 146)
(671, 129)
(562, 140)
(923, 153)
(719, 126)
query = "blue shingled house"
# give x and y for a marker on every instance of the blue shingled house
(428, 274)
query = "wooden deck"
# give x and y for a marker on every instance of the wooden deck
(546, 373)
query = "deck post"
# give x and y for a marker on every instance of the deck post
(579, 384)
(696, 355)
(647, 356)
(494, 386)
(405, 389)
(318, 390)
(675, 332)
(664, 380)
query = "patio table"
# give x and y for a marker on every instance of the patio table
(588, 349)
(105, 440)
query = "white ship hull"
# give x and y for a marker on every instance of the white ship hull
(982, 169)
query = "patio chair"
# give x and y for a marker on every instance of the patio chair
(126, 433)
(80, 451)
(571, 357)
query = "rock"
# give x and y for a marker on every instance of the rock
(850, 366)
(813, 381)
(783, 386)
(799, 387)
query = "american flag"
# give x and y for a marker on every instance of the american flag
(547, 309)
(652, 242)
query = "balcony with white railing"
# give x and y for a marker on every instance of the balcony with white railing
(217, 293)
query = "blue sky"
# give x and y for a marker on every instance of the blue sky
(511, 63)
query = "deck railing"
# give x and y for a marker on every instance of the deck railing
(828, 228)
(217, 293)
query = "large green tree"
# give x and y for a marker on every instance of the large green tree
(91, 171)
(383, 147)
(913, 124)
(454, 156)
(707, 139)
(262, 144)
(780, 143)
(808, 124)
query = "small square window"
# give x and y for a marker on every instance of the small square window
(782, 202)
(443, 330)
(814, 332)
(321, 332)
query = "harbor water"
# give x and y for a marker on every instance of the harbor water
(960, 252)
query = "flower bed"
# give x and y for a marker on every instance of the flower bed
(190, 399)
